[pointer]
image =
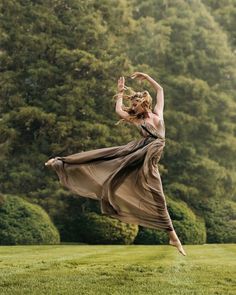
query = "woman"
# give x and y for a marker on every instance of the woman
(125, 179)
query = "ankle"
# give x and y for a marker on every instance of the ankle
(175, 241)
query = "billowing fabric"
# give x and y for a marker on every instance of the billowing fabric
(124, 179)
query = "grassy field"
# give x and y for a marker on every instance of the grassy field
(104, 269)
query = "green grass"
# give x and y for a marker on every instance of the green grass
(117, 269)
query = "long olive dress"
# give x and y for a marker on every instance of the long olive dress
(124, 179)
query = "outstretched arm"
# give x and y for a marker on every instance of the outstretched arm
(159, 106)
(119, 99)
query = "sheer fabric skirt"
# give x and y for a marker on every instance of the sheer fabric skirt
(124, 179)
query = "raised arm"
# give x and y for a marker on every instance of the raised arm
(119, 99)
(159, 105)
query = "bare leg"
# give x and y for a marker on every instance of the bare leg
(174, 241)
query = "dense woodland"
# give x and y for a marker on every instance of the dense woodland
(59, 65)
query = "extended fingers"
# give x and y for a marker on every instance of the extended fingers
(134, 75)
(138, 75)
(121, 83)
(122, 79)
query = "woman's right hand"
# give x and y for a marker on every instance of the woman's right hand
(121, 84)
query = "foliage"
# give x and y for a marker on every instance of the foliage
(24, 223)
(220, 218)
(93, 228)
(60, 61)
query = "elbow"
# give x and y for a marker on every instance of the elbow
(122, 114)
(117, 110)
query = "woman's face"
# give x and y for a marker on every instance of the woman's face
(136, 106)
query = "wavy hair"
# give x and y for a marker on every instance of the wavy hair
(143, 98)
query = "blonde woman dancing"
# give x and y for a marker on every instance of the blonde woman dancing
(125, 179)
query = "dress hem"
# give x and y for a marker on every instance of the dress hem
(134, 220)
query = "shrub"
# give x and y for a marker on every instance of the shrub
(24, 223)
(220, 220)
(98, 229)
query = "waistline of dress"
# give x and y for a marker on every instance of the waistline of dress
(150, 134)
(156, 137)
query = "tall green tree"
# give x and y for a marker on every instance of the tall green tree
(59, 63)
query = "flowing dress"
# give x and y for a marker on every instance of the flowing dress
(124, 179)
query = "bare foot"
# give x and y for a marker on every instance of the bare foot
(50, 162)
(177, 244)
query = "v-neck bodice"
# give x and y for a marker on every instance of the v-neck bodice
(158, 131)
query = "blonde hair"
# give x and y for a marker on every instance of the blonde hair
(143, 98)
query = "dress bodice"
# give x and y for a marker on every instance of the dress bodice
(158, 131)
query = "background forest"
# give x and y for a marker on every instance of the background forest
(59, 65)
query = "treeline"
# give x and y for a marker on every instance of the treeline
(59, 63)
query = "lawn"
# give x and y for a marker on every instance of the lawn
(117, 269)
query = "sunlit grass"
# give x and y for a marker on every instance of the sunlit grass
(117, 269)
